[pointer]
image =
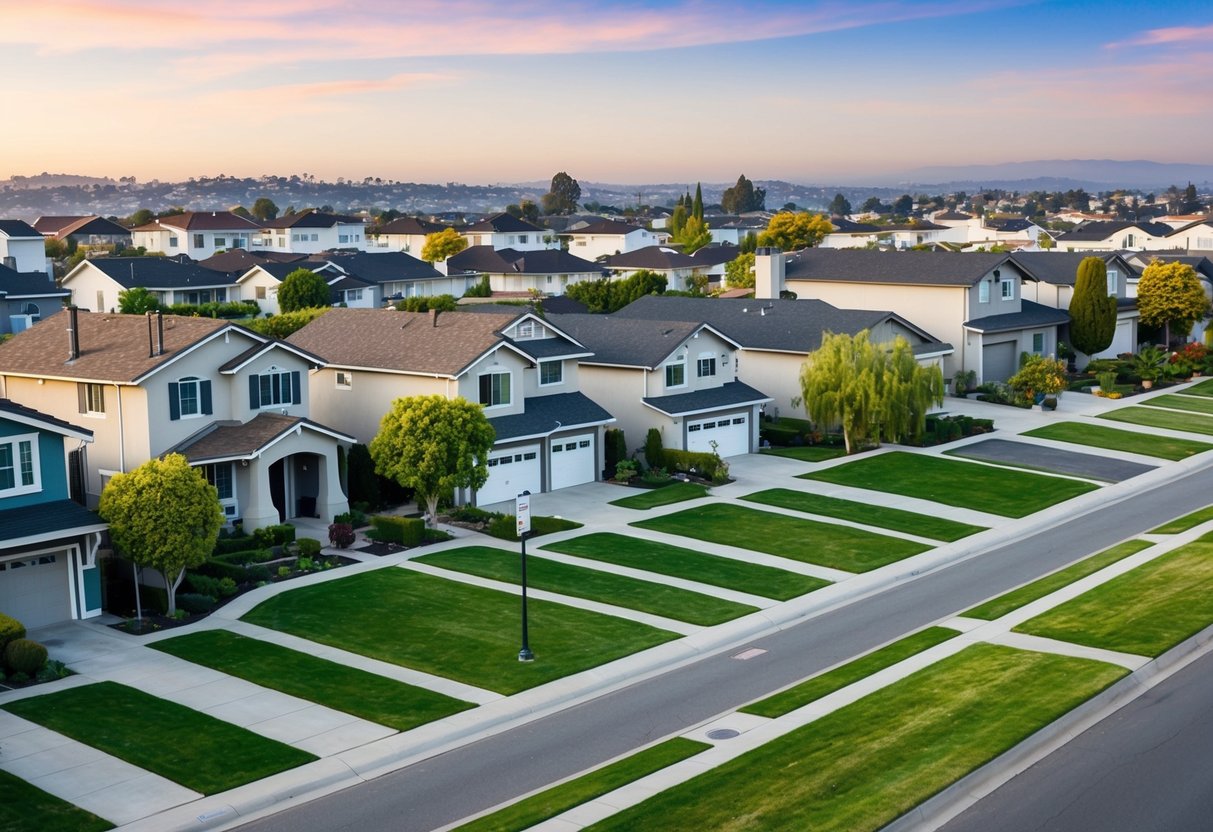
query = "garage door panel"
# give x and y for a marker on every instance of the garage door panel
(34, 589)
(574, 461)
(999, 361)
(511, 472)
(730, 433)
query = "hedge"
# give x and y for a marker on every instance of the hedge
(703, 464)
(406, 531)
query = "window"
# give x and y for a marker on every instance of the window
(1038, 343)
(274, 388)
(343, 238)
(189, 397)
(526, 329)
(221, 242)
(676, 374)
(706, 367)
(100, 301)
(983, 292)
(345, 379)
(1113, 282)
(260, 293)
(32, 310)
(297, 238)
(19, 472)
(551, 372)
(353, 294)
(91, 398)
(315, 238)
(220, 476)
(495, 389)
(172, 241)
(1128, 241)
(1007, 289)
(521, 238)
(199, 240)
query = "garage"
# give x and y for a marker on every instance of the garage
(1122, 339)
(731, 434)
(573, 460)
(34, 589)
(511, 472)
(999, 361)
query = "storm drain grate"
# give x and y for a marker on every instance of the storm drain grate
(723, 734)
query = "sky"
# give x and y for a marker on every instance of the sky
(487, 91)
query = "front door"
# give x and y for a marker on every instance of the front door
(278, 488)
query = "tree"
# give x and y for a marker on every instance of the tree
(1040, 375)
(241, 211)
(791, 232)
(442, 244)
(903, 205)
(284, 325)
(606, 295)
(524, 210)
(1170, 295)
(1092, 311)
(697, 205)
(164, 515)
(303, 289)
(434, 445)
(905, 392)
(743, 197)
(693, 236)
(265, 209)
(739, 272)
(136, 301)
(562, 197)
(141, 217)
(872, 205)
(425, 303)
(840, 206)
(678, 220)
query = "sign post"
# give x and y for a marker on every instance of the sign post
(522, 511)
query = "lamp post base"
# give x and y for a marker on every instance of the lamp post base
(525, 655)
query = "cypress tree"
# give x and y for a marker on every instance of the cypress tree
(1092, 312)
(697, 206)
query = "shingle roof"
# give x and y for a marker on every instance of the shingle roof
(1196, 224)
(1009, 225)
(10, 408)
(1060, 268)
(730, 394)
(16, 284)
(501, 223)
(234, 440)
(203, 221)
(387, 267)
(412, 225)
(953, 215)
(51, 225)
(657, 258)
(62, 227)
(845, 226)
(1030, 315)
(715, 255)
(240, 260)
(1101, 230)
(508, 261)
(544, 348)
(1202, 265)
(42, 519)
(310, 219)
(17, 229)
(159, 273)
(628, 342)
(547, 413)
(605, 226)
(927, 268)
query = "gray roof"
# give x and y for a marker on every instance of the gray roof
(387, 267)
(542, 349)
(730, 394)
(657, 258)
(240, 260)
(605, 226)
(501, 223)
(1202, 265)
(626, 342)
(310, 219)
(715, 255)
(1060, 268)
(1100, 230)
(18, 228)
(1031, 315)
(926, 268)
(58, 516)
(29, 284)
(509, 261)
(412, 225)
(843, 225)
(160, 273)
(545, 414)
(8, 407)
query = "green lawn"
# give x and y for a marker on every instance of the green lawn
(1115, 439)
(547, 804)
(1204, 388)
(825, 544)
(807, 453)
(1001, 491)
(451, 629)
(664, 496)
(858, 768)
(1152, 417)
(1192, 404)
(1016, 598)
(582, 582)
(813, 689)
(1188, 521)
(1146, 611)
(188, 747)
(366, 695)
(26, 808)
(936, 528)
(664, 559)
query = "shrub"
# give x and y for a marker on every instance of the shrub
(653, 452)
(505, 526)
(233, 543)
(195, 602)
(206, 584)
(10, 630)
(471, 514)
(284, 571)
(52, 670)
(437, 536)
(22, 655)
(614, 447)
(406, 531)
(308, 547)
(246, 556)
(216, 568)
(1039, 374)
(1106, 380)
(341, 535)
(625, 469)
(697, 462)
(655, 476)
(278, 535)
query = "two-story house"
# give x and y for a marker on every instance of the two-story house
(677, 268)
(96, 284)
(1138, 235)
(25, 297)
(198, 234)
(548, 271)
(235, 403)
(523, 369)
(603, 237)
(48, 542)
(507, 231)
(89, 230)
(310, 232)
(22, 248)
(403, 234)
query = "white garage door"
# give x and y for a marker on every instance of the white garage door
(730, 433)
(573, 460)
(510, 473)
(34, 589)
(1122, 340)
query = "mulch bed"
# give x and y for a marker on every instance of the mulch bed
(379, 549)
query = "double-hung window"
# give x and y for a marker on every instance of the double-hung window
(19, 473)
(199, 240)
(983, 292)
(274, 388)
(189, 397)
(551, 372)
(676, 373)
(1113, 282)
(91, 398)
(1007, 288)
(706, 366)
(495, 389)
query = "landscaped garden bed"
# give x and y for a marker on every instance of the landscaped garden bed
(505, 526)
(24, 662)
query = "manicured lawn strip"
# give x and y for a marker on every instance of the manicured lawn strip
(1199, 404)
(1115, 439)
(358, 692)
(1188, 521)
(664, 496)
(664, 559)
(999, 491)
(825, 544)
(451, 629)
(858, 768)
(1204, 388)
(581, 582)
(1026, 594)
(807, 453)
(1152, 417)
(1145, 612)
(813, 689)
(936, 528)
(547, 804)
(26, 808)
(188, 747)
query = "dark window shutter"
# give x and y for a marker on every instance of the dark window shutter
(81, 400)
(204, 392)
(174, 400)
(75, 476)
(296, 391)
(254, 392)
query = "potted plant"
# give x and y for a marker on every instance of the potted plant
(1066, 353)
(1148, 364)
(1039, 378)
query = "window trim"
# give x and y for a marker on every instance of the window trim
(560, 368)
(983, 292)
(680, 363)
(343, 380)
(509, 389)
(1006, 289)
(204, 405)
(256, 402)
(91, 397)
(699, 361)
(14, 443)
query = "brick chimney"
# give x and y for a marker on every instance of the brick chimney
(769, 270)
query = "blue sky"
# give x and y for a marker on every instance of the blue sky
(480, 91)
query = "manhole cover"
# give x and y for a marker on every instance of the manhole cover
(723, 734)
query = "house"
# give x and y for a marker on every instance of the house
(732, 229)
(403, 234)
(548, 271)
(677, 268)
(90, 230)
(603, 237)
(235, 403)
(48, 542)
(22, 248)
(310, 232)
(1200, 264)
(1195, 236)
(774, 337)
(1118, 234)
(240, 260)
(26, 297)
(198, 234)
(972, 301)
(524, 370)
(507, 231)
(850, 234)
(713, 259)
(96, 284)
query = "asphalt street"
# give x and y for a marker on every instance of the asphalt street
(1109, 469)
(446, 788)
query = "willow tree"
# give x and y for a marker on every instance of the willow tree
(906, 391)
(1092, 311)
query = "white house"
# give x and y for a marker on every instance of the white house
(96, 284)
(507, 231)
(198, 234)
(403, 234)
(310, 232)
(549, 271)
(22, 248)
(603, 237)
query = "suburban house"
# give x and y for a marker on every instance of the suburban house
(523, 369)
(85, 231)
(25, 297)
(310, 232)
(732, 229)
(679, 377)
(548, 271)
(96, 284)
(1118, 234)
(198, 234)
(48, 542)
(713, 259)
(1195, 236)
(972, 301)
(507, 231)
(774, 337)
(235, 403)
(677, 268)
(1200, 264)
(403, 234)
(604, 237)
(850, 234)
(22, 248)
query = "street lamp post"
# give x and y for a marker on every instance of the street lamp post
(522, 511)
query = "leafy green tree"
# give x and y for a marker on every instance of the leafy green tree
(748, 243)
(1092, 311)
(693, 236)
(606, 295)
(678, 220)
(524, 210)
(442, 244)
(163, 515)
(303, 289)
(265, 209)
(739, 273)
(791, 232)
(905, 392)
(434, 445)
(903, 205)
(563, 195)
(283, 325)
(137, 300)
(241, 211)
(1170, 295)
(840, 206)
(872, 205)
(54, 249)
(141, 217)
(424, 303)
(743, 197)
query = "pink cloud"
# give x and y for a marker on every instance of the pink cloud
(1172, 35)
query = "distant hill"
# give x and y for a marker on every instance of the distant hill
(54, 180)
(1054, 174)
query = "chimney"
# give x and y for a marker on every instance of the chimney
(11, 262)
(151, 344)
(769, 270)
(159, 332)
(434, 317)
(73, 332)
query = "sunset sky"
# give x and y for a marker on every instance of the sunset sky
(477, 91)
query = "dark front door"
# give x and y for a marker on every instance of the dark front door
(278, 488)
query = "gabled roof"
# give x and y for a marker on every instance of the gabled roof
(1060, 268)
(656, 258)
(390, 266)
(43, 522)
(545, 414)
(630, 342)
(62, 227)
(155, 273)
(227, 440)
(1101, 230)
(240, 260)
(1208, 221)
(728, 395)
(18, 229)
(605, 227)
(508, 261)
(1009, 225)
(21, 414)
(1202, 265)
(412, 226)
(252, 353)
(953, 215)
(15, 284)
(1030, 315)
(203, 221)
(311, 219)
(925, 268)
(501, 223)
(715, 255)
(845, 226)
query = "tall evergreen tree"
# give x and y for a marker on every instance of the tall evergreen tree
(697, 205)
(1092, 311)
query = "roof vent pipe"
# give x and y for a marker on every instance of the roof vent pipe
(159, 332)
(434, 317)
(151, 344)
(73, 333)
